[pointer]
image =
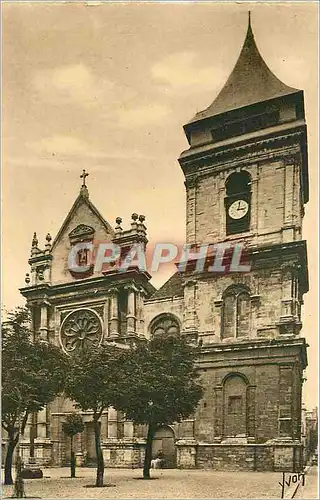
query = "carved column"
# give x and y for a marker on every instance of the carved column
(139, 313)
(43, 330)
(106, 327)
(131, 311)
(112, 423)
(42, 424)
(114, 319)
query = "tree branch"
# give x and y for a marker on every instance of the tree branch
(5, 426)
(24, 421)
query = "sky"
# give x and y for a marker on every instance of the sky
(108, 87)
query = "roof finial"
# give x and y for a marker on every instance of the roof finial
(83, 176)
(84, 189)
(249, 18)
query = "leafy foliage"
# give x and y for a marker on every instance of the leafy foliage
(95, 381)
(165, 386)
(73, 424)
(33, 373)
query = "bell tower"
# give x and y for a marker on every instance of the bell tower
(247, 161)
(246, 178)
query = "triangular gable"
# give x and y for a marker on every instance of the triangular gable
(81, 199)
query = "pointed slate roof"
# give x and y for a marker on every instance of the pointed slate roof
(250, 82)
(171, 288)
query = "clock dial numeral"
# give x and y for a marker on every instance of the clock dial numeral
(238, 209)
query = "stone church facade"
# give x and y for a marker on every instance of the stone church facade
(246, 178)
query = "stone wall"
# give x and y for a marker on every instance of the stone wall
(152, 308)
(275, 207)
(248, 458)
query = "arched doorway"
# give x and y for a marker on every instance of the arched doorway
(164, 440)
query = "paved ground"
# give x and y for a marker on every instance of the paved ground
(310, 489)
(171, 483)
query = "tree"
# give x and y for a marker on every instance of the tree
(33, 374)
(73, 425)
(165, 386)
(95, 382)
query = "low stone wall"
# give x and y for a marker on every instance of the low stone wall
(250, 457)
(122, 453)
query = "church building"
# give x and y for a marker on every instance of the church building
(246, 179)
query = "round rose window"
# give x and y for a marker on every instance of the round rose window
(81, 329)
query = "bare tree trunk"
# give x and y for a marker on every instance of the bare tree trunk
(99, 455)
(72, 458)
(19, 483)
(9, 458)
(148, 453)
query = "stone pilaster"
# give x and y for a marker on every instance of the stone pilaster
(104, 426)
(43, 330)
(190, 319)
(128, 430)
(254, 199)
(114, 319)
(131, 311)
(285, 427)
(221, 194)
(112, 424)
(218, 416)
(42, 423)
(191, 186)
(106, 326)
(140, 326)
(251, 406)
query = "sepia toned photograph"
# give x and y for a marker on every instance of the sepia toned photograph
(159, 318)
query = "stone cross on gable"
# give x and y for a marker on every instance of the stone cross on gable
(83, 176)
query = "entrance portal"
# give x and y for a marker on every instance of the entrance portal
(164, 440)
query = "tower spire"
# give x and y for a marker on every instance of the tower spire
(250, 82)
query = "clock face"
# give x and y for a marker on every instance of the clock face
(238, 209)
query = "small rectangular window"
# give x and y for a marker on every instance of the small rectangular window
(285, 427)
(235, 404)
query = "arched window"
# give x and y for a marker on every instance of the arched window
(236, 313)
(237, 202)
(165, 324)
(237, 183)
(235, 406)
